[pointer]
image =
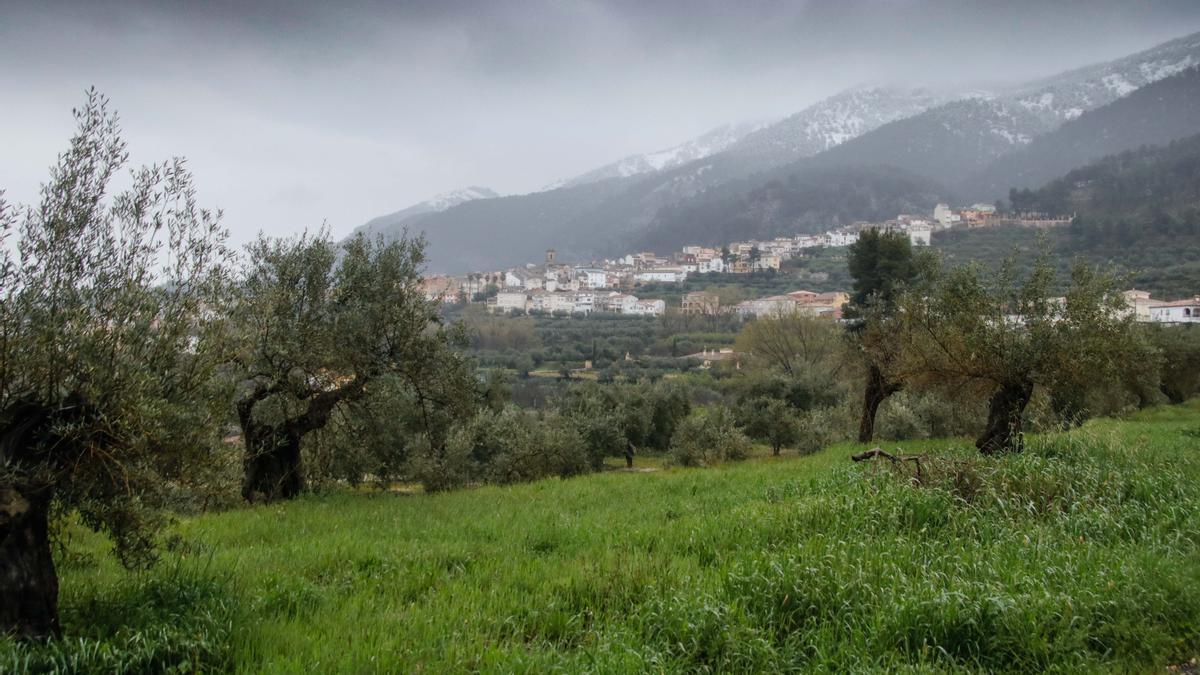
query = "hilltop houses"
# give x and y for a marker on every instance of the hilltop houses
(579, 302)
(603, 286)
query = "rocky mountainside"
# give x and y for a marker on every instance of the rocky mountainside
(832, 122)
(1152, 115)
(928, 139)
(1066, 96)
(943, 144)
(957, 139)
(596, 212)
(966, 149)
(806, 201)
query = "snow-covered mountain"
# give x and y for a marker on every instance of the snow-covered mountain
(953, 140)
(710, 143)
(946, 136)
(833, 121)
(1155, 114)
(434, 204)
(1066, 96)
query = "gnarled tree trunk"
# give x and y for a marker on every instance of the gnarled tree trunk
(28, 581)
(1005, 411)
(272, 466)
(877, 391)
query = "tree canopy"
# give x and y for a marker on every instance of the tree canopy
(1006, 334)
(319, 330)
(107, 346)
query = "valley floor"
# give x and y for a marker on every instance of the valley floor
(1081, 554)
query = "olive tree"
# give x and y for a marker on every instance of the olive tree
(320, 327)
(882, 264)
(1007, 333)
(106, 355)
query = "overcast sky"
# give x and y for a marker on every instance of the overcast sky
(294, 113)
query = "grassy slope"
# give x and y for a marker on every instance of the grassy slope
(1082, 554)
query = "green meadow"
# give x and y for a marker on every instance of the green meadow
(1081, 554)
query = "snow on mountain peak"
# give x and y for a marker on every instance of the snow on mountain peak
(453, 198)
(835, 120)
(441, 202)
(709, 143)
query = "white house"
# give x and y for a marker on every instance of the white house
(539, 300)
(775, 305)
(1139, 303)
(561, 302)
(711, 265)
(668, 275)
(585, 302)
(591, 278)
(1180, 311)
(943, 214)
(809, 241)
(647, 308)
(508, 301)
(619, 303)
(514, 279)
(919, 235)
(840, 238)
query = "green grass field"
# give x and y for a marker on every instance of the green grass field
(1082, 554)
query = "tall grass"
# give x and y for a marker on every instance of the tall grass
(1082, 554)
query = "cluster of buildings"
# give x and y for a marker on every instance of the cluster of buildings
(1147, 309)
(582, 301)
(553, 287)
(985, 215)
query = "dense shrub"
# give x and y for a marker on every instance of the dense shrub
(708, 436)
(509, 446)
(1180, 346)
(913, 414)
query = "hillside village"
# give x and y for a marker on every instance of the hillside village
(564, 289)
(554, 287)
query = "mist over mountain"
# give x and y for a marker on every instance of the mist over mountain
(1155, 114)
(833, 121)
(706, 145)
(804, 201)
(961, 138)
(434, 204)
(860, 153)
(1155, 188)
(603, 208)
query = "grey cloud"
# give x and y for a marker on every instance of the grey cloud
(297, 112)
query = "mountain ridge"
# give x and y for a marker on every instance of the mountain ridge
(942, 141)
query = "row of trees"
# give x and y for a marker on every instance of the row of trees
(131, 337)
(997, 333)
